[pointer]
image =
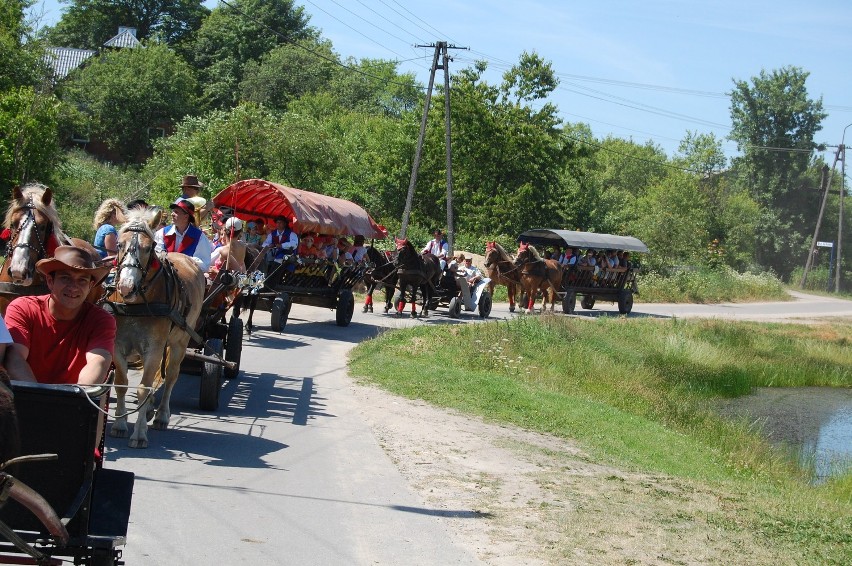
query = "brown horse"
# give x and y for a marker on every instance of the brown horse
(415, 272)
(500, 268)
(538, 274)
(34, 232)
(156, 299)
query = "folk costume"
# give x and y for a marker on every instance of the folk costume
(192, 242)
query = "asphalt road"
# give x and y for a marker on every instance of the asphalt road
(288, 472)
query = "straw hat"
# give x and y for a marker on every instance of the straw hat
(74, 259)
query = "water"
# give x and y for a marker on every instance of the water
(815, 421)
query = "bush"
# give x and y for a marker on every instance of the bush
(704, 285)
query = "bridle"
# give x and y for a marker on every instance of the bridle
(497, 263)
(40, 243)
(129, 259)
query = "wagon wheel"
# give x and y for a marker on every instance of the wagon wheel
(234, 346)
(485, 304)
(280, 311)
(625, 302)
(588, 302)
(211, 377)
(345, 307)
(454, 309)
(569, 302)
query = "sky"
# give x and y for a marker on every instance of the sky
(649, 70)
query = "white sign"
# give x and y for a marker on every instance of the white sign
(825, 244)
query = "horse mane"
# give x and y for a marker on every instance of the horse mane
(504, 255)
(534, 253)
(34, 192)
(138, 220)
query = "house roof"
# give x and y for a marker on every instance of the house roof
(66, 59)
(126, 38)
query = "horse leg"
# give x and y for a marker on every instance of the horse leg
(119, 425)
(388, 298)
(174, 356)
(368, 300)
(252, 306)
(512, 290)
(145, 396)
(401, 304)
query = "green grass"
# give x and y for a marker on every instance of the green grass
(704, 285)
(638, 394)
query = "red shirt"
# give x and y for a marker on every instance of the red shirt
(58, 347)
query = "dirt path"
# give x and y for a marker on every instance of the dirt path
(516, 497)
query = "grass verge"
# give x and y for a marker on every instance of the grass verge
(704, 285)
(638, 394)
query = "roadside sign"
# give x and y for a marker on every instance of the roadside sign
(825, 244)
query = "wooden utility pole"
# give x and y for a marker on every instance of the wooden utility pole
(825, 185)
(441, 50)
(838, 266)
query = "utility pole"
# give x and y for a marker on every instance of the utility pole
(825, 185)
(838, 267)
(441, 48)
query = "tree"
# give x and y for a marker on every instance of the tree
(88, 24)
(28, 144)
(288, 72)
(20, 56)
(774, 123)
(128, 91)
(236, 33)
(376, 87)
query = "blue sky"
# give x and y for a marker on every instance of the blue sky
(646, 70)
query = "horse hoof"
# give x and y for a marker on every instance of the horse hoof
(159, 425)
(366, 308)
(414, 315)
(138, 443)
(511, 308)
(248, 328)
(371, 308)
(387, 309)
(117, 432)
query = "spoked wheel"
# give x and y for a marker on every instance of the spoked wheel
(569, 302)
(485, 304)
(588, 302)
(345, 307)
(280, 311)
(211, 377)
(234, 346)
(625, 302)
(454, 309)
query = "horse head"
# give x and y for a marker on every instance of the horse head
(137, 255)
(33, 225)
(494, 253)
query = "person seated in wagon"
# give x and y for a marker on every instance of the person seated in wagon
(307, 247)
(358, 249)
(438, 247)
(231, 255)
(475, 282)
(59, 337)
(281, 244)
(183, 236)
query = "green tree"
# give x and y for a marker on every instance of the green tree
(28, 142)
(774, 123)
(128, 91)
(288, 72)
(20, 56)
(88, 24)
(236, 33)
(375, 86)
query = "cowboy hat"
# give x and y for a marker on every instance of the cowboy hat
(185, 206)
(75, 259)
(191, 181)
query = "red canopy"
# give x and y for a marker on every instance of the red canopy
(306, 211)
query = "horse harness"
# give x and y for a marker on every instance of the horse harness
(163, 268)
(40, 248)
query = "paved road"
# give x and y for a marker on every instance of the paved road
(288, 472)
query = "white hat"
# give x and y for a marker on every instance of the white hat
(234, 223)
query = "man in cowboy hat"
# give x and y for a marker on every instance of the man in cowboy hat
(61, 338)
(191, 190)
(183, 236)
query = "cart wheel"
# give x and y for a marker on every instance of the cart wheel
(569, 302)
(211, 377)
(484, 304)
(588, 302)
(625, 302)
(454, 309)
(280, 311)
(234, 346)
(345, 307)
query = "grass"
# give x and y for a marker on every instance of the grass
(638, 394)
(704, 285)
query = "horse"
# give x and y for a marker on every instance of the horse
(33, 231)
(538, 274)
(500, 267)
(381, 271)
(415, 271)
(157, 300)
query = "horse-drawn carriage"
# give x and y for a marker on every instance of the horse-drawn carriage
(308, 281)
(615, 284)
(58, 502)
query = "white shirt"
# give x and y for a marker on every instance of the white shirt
(203, 250)
(437, 247)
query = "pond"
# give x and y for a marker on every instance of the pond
(816, 422)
